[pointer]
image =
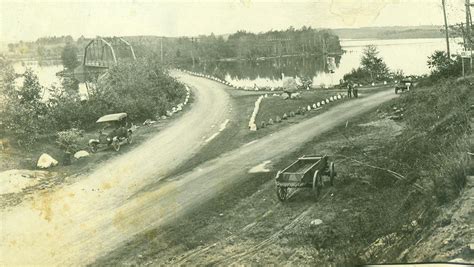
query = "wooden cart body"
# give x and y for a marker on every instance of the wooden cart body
(307, 171)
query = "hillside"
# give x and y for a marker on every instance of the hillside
(396, 32)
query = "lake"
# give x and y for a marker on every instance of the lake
(408, 55)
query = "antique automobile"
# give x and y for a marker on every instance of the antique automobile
(115, 131)
(404, 85)
(308, 172)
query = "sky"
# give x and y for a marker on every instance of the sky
(29, 19)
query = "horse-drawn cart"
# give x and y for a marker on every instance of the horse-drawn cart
(307, 171)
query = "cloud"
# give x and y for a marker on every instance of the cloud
(28, 20)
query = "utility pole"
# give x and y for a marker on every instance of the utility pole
(468, 25)
(446, 29)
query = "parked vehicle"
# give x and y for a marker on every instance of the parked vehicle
(114, 132)
(404, 85)
(307, 171)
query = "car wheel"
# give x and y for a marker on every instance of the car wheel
(93, 147)
(317, 183)
(116, 145)
(282, 193)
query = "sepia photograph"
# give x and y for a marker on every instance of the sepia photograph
(236, 133)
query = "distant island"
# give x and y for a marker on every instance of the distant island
(392, 32)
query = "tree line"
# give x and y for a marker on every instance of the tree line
(239, 45)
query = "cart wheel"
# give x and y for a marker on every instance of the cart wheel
(317, 183)
(332, 173)
(116, 145)
(93, 147)
(129, 138)
(282, 193)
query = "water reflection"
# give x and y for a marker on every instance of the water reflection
(408, 55)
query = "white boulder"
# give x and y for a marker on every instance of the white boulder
(316, 222)
(308, 108)
(314, 106)
(46, 161)
(81, 154)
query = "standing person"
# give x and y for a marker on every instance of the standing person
(355, 91)
(349, 89)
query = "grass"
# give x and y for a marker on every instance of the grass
(367, 204)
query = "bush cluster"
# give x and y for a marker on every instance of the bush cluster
(140, 88)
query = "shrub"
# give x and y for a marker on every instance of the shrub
(444, 67)
(141, 88)
(70, 140)
(24, 114)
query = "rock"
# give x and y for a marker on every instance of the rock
(285, 116)
(323, 102)
(289, 85)
(295, 95)
(169, 113)
(266, 95)
(314, 106)
(339, 97)
(292, 114)
(327, 101)
(270, 121)
(163, 117)
(253, 127)
(46, 161)
(285, 96)
(148, 122)
(277, 119)
(316, 222)
(331, 99)
(318, 104)
(308, 108)
(81, 154)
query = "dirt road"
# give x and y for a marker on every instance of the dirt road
(77, 224)
(70, 224)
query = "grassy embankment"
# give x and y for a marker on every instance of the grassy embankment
(394, 178)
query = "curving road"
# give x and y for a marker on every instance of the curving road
(77, 224)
